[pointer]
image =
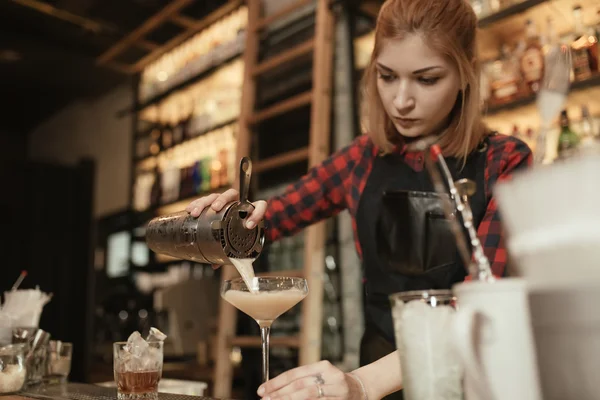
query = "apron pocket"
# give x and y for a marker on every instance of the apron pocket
(439, 244)
(413, 235)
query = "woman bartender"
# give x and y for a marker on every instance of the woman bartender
(422, 79)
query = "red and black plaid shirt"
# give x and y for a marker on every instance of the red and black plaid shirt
(339, 181)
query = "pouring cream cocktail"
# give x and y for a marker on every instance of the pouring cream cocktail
(264, 299)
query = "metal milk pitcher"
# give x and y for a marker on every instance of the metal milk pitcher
(213, 237)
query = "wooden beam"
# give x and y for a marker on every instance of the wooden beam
(281, 160)
(149, 25)
(282, 107)
(320, 122)
(281, 13)
(223, 371)
(182, 37)
(64, 15)
(286, 56)
(120, 67)
(183, 21)
(147, 45)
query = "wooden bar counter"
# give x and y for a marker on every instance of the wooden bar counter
(79, 391)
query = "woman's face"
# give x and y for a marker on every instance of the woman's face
(417, 86)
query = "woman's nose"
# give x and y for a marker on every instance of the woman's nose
(404, 99)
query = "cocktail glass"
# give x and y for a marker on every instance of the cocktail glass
(270, 297)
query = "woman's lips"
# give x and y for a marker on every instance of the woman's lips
(407, 122)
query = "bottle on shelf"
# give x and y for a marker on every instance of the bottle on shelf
(207, 48)
(587, 127)
(584, 48)
(156, 191)
(567, 140)
(532, 59)
(155, 142)
(516, 132)
(530, 138)
(178, 122)
(551, 38)
(505, 78)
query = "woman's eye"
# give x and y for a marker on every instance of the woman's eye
(386, 77)
(428, 81)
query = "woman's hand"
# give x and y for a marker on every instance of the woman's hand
(315, 381)
(217, 201)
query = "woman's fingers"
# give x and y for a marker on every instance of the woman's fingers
(288, 377)
(260, 207)
(310, 385)
(311, 392)
(218, 201)
(196, 207)
(322, 372)
(224, 198)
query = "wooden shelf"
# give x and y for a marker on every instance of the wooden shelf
(509, 12)
(285, 57)
(143, 216)
(282, 160)
(182, 85)
(282, 107)
(201, 133)
(263, 23)
(575, 86)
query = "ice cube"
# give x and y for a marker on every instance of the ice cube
(152, 361)
(136, 345)
(156, 335)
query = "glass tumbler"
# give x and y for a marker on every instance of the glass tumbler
(138, 372)
(423, 326)
(13, 368)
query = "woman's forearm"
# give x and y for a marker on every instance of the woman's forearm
(381, 377)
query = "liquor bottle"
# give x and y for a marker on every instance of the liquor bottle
(156, 191)
(551, 37)
(154, 143)
(530, 138)
(587, 127)
(584, 48)
(166, 135)
(505, 78)
(532, 59)
(516, 132)
(567, 140)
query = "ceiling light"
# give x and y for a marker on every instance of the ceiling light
(162, 76)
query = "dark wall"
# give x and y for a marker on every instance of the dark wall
(13, 156)
(47, 229)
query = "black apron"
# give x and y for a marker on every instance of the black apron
(406, 241)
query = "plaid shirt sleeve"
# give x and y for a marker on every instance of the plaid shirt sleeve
(506, 156)
(319, 194)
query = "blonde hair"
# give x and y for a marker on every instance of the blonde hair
(449, 27)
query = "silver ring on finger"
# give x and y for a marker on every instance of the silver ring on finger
(320, 389)
(319, 379)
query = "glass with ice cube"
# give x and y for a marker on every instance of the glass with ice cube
(431, 368)
(138, 367)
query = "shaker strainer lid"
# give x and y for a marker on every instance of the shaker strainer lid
(238, 241)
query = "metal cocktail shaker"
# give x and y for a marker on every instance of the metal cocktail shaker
(213, 237)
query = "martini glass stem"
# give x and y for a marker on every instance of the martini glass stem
(265, 332)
